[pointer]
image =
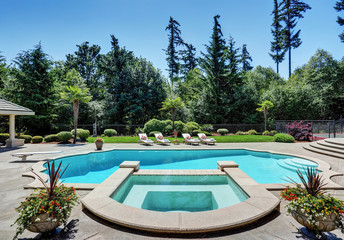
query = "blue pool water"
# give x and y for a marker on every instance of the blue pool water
(179, 193)
(261, 166)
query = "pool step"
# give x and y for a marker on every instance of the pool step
(288, 164)
(333, 147)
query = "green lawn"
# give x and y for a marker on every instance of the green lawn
(219, 139)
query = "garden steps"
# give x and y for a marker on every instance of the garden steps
(336, 141)
(329, 148)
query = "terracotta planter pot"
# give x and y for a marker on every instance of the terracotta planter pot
(99, 145)
(326, 225)
(43, 225)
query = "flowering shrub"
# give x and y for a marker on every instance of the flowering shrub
(99, 140)
(300, 131)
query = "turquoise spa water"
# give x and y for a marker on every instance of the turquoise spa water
(261, 166)
(179, 193)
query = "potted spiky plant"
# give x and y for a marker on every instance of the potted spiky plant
(311, 207)
(46, 209)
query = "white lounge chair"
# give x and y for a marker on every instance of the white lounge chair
(189, 139)
(144, 139)
(24, 155)
(159, 138)
(206, 140)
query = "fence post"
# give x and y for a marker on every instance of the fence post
(329, 129)
(334, 128)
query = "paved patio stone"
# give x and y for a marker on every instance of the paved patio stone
(85, 225)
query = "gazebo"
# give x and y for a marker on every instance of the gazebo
(12, 109)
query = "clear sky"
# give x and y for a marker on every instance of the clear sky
(140, 26)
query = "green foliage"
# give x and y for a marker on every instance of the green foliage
(78, 130)
(189, 127)
(245, 59)
(52, 138)
(266, 133)
(207, 127)
(157, 125)
(189, 59)
(252, 132)
(264, 107)
(241, 133)
(195, 133)
(4, 137)
(110, 132)
(37, 139)
(172, 105)
(27, 138)
(273, 133)
(285, 138)
(340, 7)
(222, 131)
(65, 136)
(179, 126)
(83, 134)
(152, 134)
(139, 130)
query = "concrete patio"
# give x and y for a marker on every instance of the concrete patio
(84, 225)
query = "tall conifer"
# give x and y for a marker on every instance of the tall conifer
(245, 59)
(292, 11)
(189, 59)
(340, 7)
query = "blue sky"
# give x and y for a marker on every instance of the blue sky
(140, 27)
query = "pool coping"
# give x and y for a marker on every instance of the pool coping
(324, 167)
(259, 204)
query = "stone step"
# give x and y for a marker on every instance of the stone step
(324, 152)
(325, 148)
(332, 145)
(338, 141)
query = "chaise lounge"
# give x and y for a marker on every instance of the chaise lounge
(206, 140)
(159, 138)
(190, 140)
(144, 139)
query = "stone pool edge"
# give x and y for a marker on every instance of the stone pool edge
(323, 166)
(260, 204)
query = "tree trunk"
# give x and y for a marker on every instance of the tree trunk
(76, 114)
(265, 114)
(173, 118)
(289, 61)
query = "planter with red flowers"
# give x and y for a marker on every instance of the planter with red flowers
(99, 143)
(311, 207)
(46, 209)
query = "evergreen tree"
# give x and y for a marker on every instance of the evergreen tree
(189, 59)
(245, 59)
(234, 60)
(174, 40)
(277, 49)
(291, 11)
(3, 72)
(84, 61)
(340, 7)
(34, 89)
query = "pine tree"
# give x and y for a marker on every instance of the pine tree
(84, 60)
(291, 11)
(278, 49)
(172, 59)
(340, 7)
(245, 59)
(189, 58)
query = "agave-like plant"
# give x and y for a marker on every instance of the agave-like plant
(313, 183)
(54, 177)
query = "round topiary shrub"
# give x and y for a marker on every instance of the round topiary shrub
(222, 131)
(4, 137)
(207, 128)
(151, 134)
(65, 136)
(189, 127)
(281, 137)
(266, 133)
(273, 133)
(83, 135)
(110, 132)
(252, 132)
(27, 138)
(52, 138)
(37, 139)
(77, 131)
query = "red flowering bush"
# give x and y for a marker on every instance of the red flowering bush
(300, 131)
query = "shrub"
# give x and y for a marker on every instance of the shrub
(151, 134)
(27, 138)
(195, 132)
(4, 137)
(179, 126)
(154, 125)
(52, 138)
(281, 137)
(189, 127)
(168, 129)
(207, 128)
(300, 131)
(139, 130)
(37, 139)
(252, 132)
(65, 136)
(273, 133)
(77, 131)
(222, 131)
(110, 132)
(240, 133)
(266, 133)
(83, 135)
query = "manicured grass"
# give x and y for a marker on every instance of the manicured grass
(219, 139)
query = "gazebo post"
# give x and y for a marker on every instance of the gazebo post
(12, 127)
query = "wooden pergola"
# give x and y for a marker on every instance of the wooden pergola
(11, 109)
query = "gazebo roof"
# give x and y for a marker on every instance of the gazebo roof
(9, 108)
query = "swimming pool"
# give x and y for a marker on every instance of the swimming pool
(179, 193)
(263, 167)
